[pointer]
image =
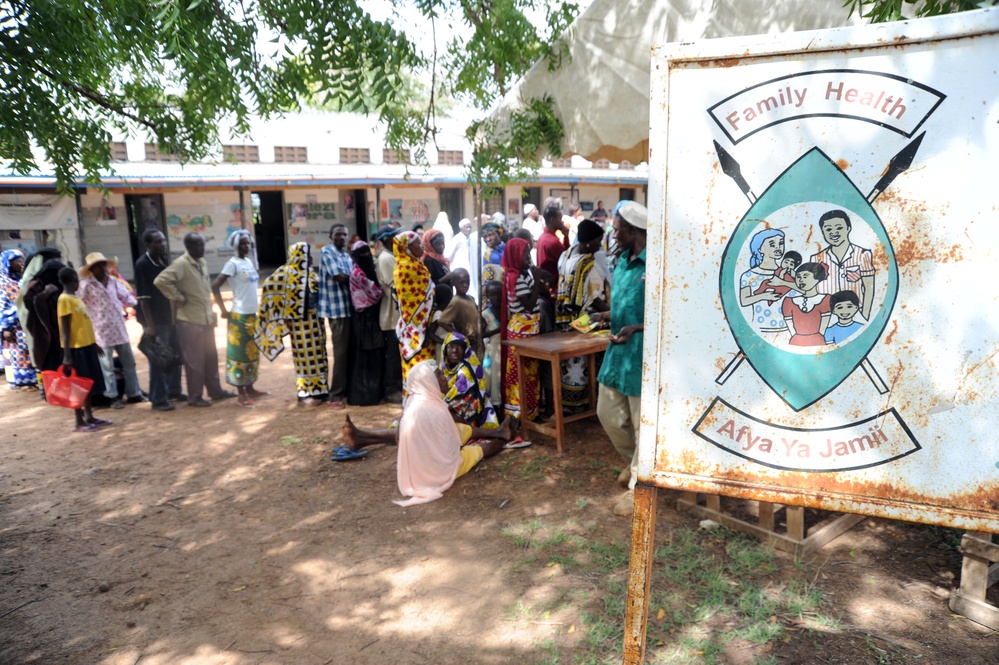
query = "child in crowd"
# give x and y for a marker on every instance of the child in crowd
(492, 363)
(80, 349)
(783, 280)
(845, 305)
(461, 314)
(547, 325)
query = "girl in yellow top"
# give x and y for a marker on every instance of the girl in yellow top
(79, 347)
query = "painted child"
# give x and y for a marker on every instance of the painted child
(783, 280)
(80, 349)
(807, 314)
(845, 305)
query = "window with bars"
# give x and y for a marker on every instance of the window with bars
(241, 153)
(451, 158)
(601, 164)
(390, 156)
(119, 153)
(153, 154)
(564, 163)
(355, 156)
(493, 204)
(625, 164)
(284, 154)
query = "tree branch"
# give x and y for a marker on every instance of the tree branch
(96, 98)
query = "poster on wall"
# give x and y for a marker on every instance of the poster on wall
(310, 222)
(213, 220)
(822, 330)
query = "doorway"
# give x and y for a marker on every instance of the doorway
(360, 213)
(145, 211)
(452, 202)
(531, 195)
(268, 226)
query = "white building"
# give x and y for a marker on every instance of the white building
(289, 181)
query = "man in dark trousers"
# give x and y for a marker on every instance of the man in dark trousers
(156, 316)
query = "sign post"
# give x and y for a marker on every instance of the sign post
(822, 276)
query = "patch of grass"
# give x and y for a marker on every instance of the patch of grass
(944, 538)
(289, 440)
(534, 469)
(549, 649)
(582, 503)
(708, 588)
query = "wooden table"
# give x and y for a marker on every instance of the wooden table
(555, 347)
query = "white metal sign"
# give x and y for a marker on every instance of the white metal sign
(823, 308)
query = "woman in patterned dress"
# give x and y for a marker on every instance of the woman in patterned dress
(414, 291)
(521, 318)
(14, 343)
(288, 304)
(466, 383)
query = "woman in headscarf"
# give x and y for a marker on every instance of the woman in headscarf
(414, 291)
(11, 268)
(288, 305)
(583, 288)
(439, 267)
(41, 298)
(434, 450)
(32, 265)
(521, 318)
(466, 383)
(367, 344)
(242, 357)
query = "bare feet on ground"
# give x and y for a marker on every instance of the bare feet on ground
(349, 431)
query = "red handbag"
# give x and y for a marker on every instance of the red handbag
(68, 391)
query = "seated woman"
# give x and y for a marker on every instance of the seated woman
(432, 450)
(466, 383)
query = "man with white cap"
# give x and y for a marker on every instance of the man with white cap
(619, 399)
(106, 299)
(532, 220)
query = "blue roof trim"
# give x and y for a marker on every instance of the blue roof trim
(236, 182)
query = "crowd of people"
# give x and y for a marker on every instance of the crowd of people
(405, 319)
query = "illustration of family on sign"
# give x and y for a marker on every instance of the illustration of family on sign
(821, 302)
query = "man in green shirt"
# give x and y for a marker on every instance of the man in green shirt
(619, 399)
(187, 284)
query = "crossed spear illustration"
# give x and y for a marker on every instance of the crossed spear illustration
(896, 166)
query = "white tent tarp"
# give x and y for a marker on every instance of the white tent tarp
(601, 91)
(36, 212)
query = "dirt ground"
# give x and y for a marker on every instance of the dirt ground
(224, 535)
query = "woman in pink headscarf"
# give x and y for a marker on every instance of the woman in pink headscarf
(434, 450)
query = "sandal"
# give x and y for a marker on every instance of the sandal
(335, 404)
(343, 453)
(514, 444)
(248, 403)
(253, 392)
(90, 427)
(100, 423)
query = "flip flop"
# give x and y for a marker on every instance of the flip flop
(87, 428)
(100, 423)
(343, 453)
(517, 443)
(248, 403)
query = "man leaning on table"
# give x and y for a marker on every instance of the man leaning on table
(619, 398)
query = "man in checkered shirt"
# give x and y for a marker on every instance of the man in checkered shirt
(334, 306)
